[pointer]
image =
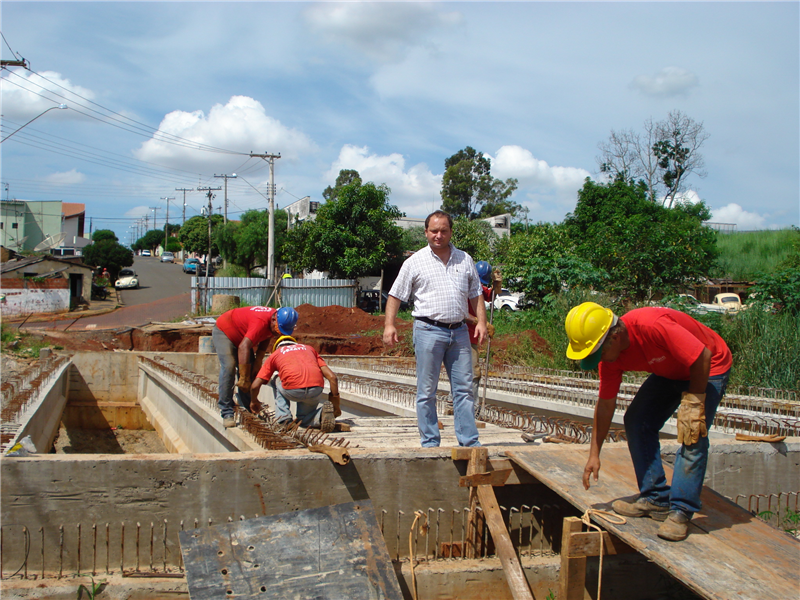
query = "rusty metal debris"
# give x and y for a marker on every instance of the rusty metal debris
(264, 428)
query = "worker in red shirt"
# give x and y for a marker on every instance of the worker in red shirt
(237, 335)
(487, 276)
(690, 367)
(300, 378)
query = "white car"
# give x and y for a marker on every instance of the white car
(505, 300)
(145, 252)
(127, 279)
(167, 257)
(693, 305)
(728, 301)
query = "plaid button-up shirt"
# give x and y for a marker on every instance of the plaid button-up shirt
(440, 292)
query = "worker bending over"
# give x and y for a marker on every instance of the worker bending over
(237, 335)
(300, 378)
(689, 365)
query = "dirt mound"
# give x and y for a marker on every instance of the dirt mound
(506, 348)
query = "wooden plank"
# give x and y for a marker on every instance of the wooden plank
(515, 576)
(477, 464)
(493, 478)
(328, 553)
(729, 553)
(587, 543)
(572, 575)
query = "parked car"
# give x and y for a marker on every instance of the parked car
(190, 265)
(505, 300)
(167, 257)
(729, 302)
(690, 304)
(145, 252)
(368, 301)
(127, 279)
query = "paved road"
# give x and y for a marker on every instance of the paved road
(157, 281)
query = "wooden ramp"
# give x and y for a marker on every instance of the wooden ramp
(729, 554)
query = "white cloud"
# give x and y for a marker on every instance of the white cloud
(241, 125)
(670, 81)
(27, 94)
(138, 212)
(733, 213)
(66, 178)
(381, 31)
(415, 190)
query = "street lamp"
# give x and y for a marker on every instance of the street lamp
(61, 106)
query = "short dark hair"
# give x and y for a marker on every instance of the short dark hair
(439, 213)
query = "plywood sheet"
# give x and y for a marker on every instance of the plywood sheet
(729, 554)
(333, 552)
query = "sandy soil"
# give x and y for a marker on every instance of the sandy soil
(118, 441)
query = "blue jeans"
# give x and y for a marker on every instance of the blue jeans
(654, 403)
(228, 355)
(433, 346)
(307, 403)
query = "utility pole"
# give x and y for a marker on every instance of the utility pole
(154, 209)
(166, 223)
(271, 244)
(184, 190)
(146, 223)
(211, 196)
(226, 177)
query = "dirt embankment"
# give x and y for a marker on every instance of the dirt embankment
(330, 330)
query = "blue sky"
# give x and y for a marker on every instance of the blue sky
(392, 90)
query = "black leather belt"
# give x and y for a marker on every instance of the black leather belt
(440, 324)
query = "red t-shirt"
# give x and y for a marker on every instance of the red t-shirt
(665, 342)
(487, 295)
(297, 364)
(249, 322)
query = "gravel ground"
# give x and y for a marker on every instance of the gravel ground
(118, 441)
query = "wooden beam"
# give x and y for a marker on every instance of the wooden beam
(493, 478)
(477, 464)
(515, 576)
(587, 543)
(572, 578)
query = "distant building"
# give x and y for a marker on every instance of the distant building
(26, 224)
(302, 210)
(501, 224)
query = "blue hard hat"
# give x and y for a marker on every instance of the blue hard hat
(287, 319)
(484, 271)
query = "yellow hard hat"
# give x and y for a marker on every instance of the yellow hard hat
(587, 326)
(284, 339)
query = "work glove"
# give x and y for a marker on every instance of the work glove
(692, 418)
(334, 398)
(490, 330)
(244, 378)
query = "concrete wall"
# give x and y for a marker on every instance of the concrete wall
(23, 297)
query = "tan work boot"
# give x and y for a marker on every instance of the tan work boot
(327, 422)
(642, 507)
(675, 528)
(229, 422)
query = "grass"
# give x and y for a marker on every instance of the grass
(742, 256)
(27, 346)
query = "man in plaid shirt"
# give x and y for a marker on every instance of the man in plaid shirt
(442, 281)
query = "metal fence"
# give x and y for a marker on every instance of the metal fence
(255, 291)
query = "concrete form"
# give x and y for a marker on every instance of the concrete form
(105, 514)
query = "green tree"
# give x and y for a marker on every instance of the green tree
(346, 177)
(543, 261)
(353, 234)
(476, 238)
(642, 246)
(469, 190)
(109, 254)
(104, 234)
(152, 239)
(194, 234)
(414, 238)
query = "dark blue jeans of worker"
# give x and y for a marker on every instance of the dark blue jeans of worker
(228, 355)
(433, 347)
(307, 398)
(654, 403)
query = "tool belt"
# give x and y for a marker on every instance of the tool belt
(440, 324)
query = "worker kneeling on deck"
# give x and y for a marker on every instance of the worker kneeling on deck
(689, 365)
(300, 378)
